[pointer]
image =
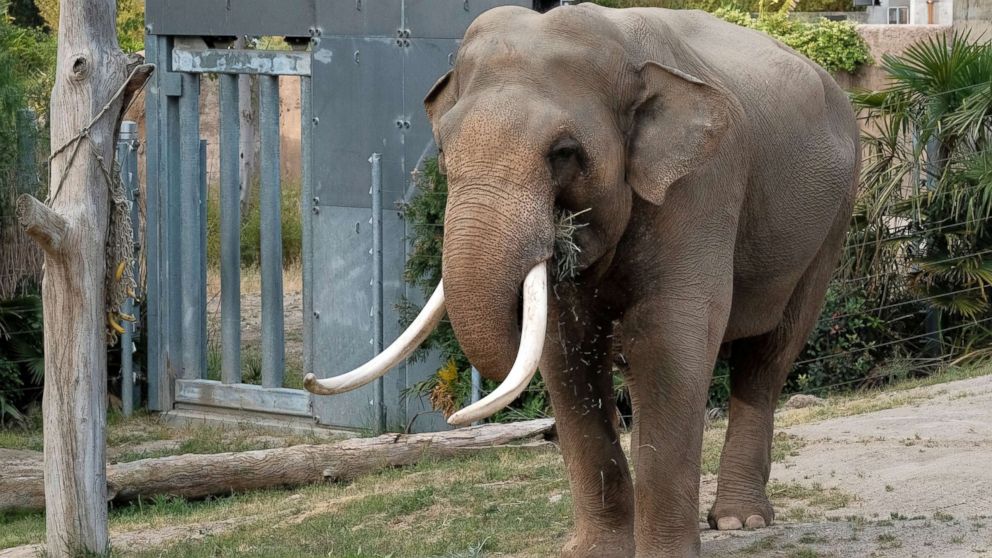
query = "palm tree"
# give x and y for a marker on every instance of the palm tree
(926, 202)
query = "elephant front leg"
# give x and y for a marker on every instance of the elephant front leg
(577, 369)
(671, 351)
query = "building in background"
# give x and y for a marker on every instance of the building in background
(909, 12)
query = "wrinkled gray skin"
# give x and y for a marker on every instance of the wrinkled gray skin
(719, 167)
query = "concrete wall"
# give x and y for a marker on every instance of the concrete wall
(974, 16)
(882, 40)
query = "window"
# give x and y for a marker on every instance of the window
(899, 15)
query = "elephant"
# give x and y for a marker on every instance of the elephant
(714, 172)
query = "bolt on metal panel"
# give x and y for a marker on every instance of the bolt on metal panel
(358, 18)
(447, 19)
(293, 18)
(358, 88)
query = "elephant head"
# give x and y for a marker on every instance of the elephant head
(541, 115)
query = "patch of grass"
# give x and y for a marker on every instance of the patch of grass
(812, 538)
(19, 438)
(941, 516)
(786, 445)
(804, 552)
(888, 540)
(762, 545)
(500, 503)
(893, 395)
(814, 495)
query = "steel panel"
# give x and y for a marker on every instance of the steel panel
(224, 61)
(358, 105)
(234, 18)
(270, 200)
(365, 18)
(448, 19)
(342, 302)
(424, 62)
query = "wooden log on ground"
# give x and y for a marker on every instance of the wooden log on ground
(201, 475)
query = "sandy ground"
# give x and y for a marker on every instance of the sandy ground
(919, 477)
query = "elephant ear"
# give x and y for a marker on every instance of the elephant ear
(677, 125)
(440, 98)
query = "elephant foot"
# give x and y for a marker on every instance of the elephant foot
(731, 516)
(606, 545)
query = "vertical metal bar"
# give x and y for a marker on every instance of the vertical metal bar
(127, 161)
(189, 187)
(273, 352)
(376, 192)
(201, 254)
(172, 282)
(230, 231)
(476, 387)
(153, 328)
(307, 206)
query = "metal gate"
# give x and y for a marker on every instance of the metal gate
(364, 67)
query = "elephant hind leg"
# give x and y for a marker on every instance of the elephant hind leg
(760, 366)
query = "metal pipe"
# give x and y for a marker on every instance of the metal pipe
(376, 192)
(127, 159)
(273, 350)
(308, 205)
(476, 386)
(189, 152)
(230, 231)
(201, 257)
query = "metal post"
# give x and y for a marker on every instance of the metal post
(192, 306)
(308, 207)
(476, 387)
(230, 231)
(127, 158)
(273, 351)
(202, 259)
(376, 192)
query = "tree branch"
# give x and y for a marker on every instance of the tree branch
(41, 223)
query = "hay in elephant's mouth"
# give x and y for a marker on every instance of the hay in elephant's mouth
(567, 252)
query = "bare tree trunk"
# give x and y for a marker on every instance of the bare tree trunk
(197, 476)
(90, 89)
(248, 142)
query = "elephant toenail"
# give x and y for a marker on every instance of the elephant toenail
(755, 522)
(728, 524)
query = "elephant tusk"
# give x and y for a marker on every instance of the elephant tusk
(404, 345)
(532, 334)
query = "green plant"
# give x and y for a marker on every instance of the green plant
(22, 363)
(450, 387)
(927, 189)
(834, 45)
(130, 21)
(251, 228)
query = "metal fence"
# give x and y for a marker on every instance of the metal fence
(364, 68)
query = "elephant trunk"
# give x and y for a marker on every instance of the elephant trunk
(495, 234)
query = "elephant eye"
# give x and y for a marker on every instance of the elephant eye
(567, 161)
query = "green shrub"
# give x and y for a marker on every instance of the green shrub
(22, 363)
(834, 45)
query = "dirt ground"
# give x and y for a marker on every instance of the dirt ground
(904, 473)
(919, 476)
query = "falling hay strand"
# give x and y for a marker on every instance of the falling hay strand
(566, 250)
